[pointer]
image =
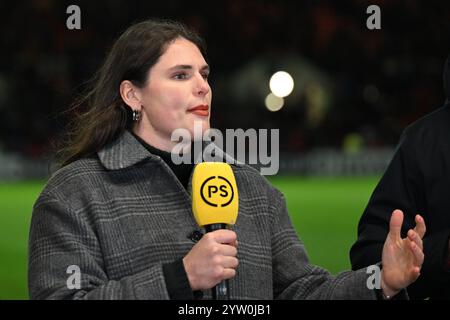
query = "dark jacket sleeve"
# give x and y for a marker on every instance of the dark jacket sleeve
(177, 281)
(402, 186)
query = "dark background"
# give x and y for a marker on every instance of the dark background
(353, 81)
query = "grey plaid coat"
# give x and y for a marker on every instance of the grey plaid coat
(121, 215)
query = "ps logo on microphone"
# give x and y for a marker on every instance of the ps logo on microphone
(217, 191)
(214, 194)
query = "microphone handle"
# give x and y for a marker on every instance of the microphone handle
(220, 291)
(215, 226)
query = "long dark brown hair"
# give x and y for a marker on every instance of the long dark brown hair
(100, 115)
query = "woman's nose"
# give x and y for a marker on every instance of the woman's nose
(202, 86)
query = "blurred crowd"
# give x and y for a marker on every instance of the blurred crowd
(377, 81)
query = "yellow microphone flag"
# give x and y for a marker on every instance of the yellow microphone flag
(214, 194)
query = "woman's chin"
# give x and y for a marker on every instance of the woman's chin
(198, 127)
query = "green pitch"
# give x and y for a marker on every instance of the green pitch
(324, 211)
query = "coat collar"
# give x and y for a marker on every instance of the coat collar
(127, 151)
(123, 152)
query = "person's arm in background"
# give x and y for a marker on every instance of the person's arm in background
(402, 187)
(447, 264)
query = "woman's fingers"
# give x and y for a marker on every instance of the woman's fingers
(420, 226)
(395, 224)
(417, 252)
(230, 262)
(228, 273)
(227, 250)
(414, 236)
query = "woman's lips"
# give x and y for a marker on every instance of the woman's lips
(203, 113)
(202, 110)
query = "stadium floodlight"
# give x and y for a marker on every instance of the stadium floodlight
(281, 84)
(273, 103)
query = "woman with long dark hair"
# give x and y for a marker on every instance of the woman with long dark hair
(115, 221)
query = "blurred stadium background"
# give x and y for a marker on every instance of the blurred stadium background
(355, 90)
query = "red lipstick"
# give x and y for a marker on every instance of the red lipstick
(200, 110)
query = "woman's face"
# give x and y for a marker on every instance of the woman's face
(176, 95)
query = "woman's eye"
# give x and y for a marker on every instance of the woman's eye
(205, 76)
(180, 76)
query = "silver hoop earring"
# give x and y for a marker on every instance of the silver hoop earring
(136, 116)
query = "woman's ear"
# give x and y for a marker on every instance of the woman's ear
(130, 95)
